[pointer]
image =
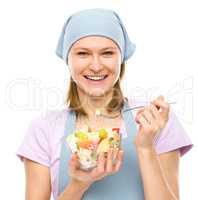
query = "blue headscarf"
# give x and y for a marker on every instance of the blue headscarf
(95, 22)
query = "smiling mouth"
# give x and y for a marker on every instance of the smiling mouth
(96, 78)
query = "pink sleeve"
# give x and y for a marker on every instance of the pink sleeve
(35, 143)
(173, 137)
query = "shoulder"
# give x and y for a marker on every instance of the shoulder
(43, 136)
(48, 123)
(51, 117)
(54, 116)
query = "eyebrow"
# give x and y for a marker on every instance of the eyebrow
(89, 49)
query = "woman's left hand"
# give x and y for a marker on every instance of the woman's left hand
(151, 119)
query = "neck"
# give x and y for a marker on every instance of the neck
(92, 103)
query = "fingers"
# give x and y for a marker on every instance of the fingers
(163, 106)
(142, 121)
(148, 120)
(161, 103)
(160, 120)
(105, 166)
(109, 165)
(118, 165)
(112, 159)
(101, 163)
(74, 170)
(114, 162)
(148, 115)
(74, 163)
(156, 112)
(138, 115)
(145, 117)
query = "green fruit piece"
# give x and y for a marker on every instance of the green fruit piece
(81, 135)
(103, 133)
(94, 155)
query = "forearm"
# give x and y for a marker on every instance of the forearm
(74, 191)
(154, 181)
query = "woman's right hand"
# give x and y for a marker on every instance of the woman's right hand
(105, 166)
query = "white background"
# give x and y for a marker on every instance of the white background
(33, 79)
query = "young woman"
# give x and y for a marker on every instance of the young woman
(95, 45)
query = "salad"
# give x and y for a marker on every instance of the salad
(89, 145)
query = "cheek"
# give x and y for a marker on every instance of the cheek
(114, 65)
(76, 71)
(115, 69)
(118, 69)
(76, 67)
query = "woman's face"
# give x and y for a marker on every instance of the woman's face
(94, 63)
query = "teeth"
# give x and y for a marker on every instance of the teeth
(95, 77)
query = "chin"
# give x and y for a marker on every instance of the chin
(97, 92)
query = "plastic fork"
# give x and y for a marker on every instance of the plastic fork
(99, 114)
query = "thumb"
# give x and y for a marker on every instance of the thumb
(137, 120)
(74, 162)
(137, 115)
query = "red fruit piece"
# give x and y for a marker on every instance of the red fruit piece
(116, 129)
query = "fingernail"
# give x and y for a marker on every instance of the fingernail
(121, 151)
(117, 150)
(73, 155)
(103, 154)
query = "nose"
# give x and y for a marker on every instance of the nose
(95, 64)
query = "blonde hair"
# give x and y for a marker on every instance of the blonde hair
(115, 104)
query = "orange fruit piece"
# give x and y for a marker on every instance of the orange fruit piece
(84, 144)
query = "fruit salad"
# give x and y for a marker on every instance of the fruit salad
(89, 145)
